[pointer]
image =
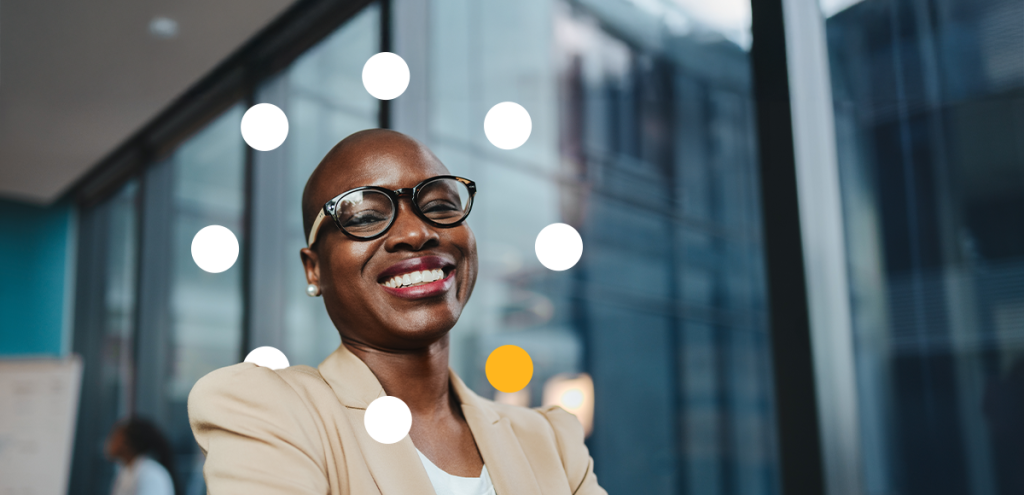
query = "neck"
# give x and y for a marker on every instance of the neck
(419, 377)
(128, 459)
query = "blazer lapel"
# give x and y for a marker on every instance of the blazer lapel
(396, 468)
(507, 464)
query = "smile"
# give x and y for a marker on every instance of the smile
(417, 278)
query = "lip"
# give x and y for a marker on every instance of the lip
(415, 265)
(431, 289)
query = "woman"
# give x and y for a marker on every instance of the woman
(395, 263)
(145, 458)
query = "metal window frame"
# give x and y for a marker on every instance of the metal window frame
(809, 300)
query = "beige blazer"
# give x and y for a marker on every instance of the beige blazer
(300, 430)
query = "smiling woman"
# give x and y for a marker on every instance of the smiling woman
(395, 276)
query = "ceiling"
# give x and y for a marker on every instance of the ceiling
(77, 78)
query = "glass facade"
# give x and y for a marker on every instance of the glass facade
(192, 320)
(928, 126)
(643, 139)
(105, 331)
(322, 94)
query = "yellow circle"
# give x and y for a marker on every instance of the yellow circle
(509, 368)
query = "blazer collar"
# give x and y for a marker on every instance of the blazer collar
(352, 381)
(356, 387)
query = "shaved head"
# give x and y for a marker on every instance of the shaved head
(358, 148)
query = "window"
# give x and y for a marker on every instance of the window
(927, 105)
(322, 94)
(643, 139)
(191, 321)
(105, 330)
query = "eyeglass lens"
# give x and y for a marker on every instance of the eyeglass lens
(367, 213)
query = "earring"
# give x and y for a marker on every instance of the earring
(312, 290)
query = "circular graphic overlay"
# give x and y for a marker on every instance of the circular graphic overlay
(385, 76)
(214, 248)
(509, 368)
(264, 127)
(387, 419)
(507, 125)
(559, 247)
(267, 357)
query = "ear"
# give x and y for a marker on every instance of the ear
(311, 264)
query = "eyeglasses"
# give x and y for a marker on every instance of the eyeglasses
(368, 212)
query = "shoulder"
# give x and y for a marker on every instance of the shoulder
(152, 477)
(246, 397)
(562, 431)
(550, 425)
(560, 424)
(260, 430)
(251, 384)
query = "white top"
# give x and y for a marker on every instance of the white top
(143, 476)
(448, 484)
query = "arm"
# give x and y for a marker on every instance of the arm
(257, 434)
(579, 466)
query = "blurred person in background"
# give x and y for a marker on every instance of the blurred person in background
(144, 456)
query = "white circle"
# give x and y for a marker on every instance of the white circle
(507, 125)
(264, 127)
(214, 248)
(559, 247)
(387, 419)
(385, 76)
(267, 357)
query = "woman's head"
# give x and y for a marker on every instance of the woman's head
(354, 275)
(133, 437)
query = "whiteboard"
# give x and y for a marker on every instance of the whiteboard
(38, 407)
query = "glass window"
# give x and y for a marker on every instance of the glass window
(322, 93)
(191, 320)
(643, 140)
(104, 331)
(928, 125)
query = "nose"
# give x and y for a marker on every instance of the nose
(409, 230)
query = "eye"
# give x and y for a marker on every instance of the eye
(439, 206)
(365, 218)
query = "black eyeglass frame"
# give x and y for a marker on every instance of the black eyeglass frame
(330, 208)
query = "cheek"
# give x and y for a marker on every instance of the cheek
(343, 268)
(466, 243)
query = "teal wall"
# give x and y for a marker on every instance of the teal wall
(36, 277)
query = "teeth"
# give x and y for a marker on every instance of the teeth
(415, 278)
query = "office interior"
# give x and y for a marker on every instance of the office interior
(803, 222)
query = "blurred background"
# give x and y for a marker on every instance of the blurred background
(119, 140)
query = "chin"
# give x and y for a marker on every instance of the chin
(423, 327)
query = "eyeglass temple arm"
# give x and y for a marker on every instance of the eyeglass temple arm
(316, 227)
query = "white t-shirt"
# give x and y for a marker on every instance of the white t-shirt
(447, 484)
(143, 476)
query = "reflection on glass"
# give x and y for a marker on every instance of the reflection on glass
(204, 309)
(106, 308)
(928, 126)
(322, 93)
(643, 140)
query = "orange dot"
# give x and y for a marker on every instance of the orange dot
(509, 368)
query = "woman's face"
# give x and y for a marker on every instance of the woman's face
(351, 273)
(117, 445)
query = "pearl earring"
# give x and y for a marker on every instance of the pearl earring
(312, 290)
